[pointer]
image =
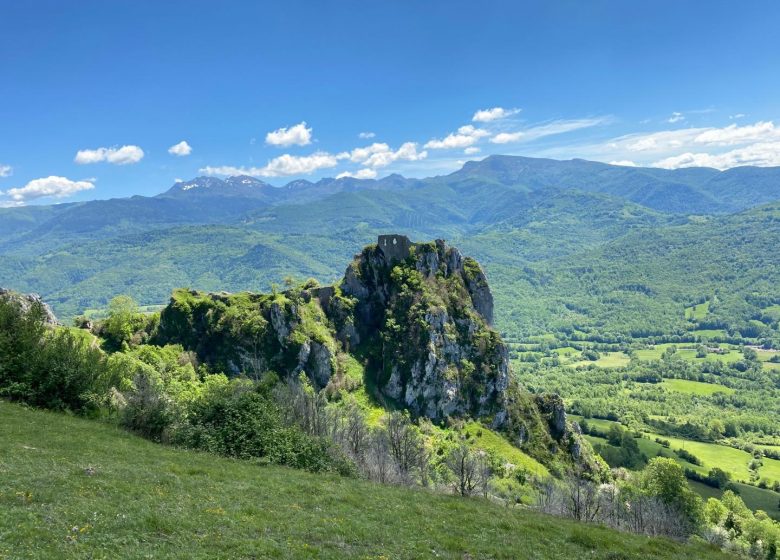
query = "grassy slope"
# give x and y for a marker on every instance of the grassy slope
(149, 501)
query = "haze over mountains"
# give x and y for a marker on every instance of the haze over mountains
(531, 222)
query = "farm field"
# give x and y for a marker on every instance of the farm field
(695, 387)
(606, 360)
(755, 498)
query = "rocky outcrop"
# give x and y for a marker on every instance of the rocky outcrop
(552, 408)
(253, 333)
(422, 313)
(27, 302)
(415, 316)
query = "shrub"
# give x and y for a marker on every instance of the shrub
(248, 425)
(49, 368)
(688, 456)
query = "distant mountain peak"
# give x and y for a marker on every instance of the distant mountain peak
(197, 183)
(236, 185)
(246, 180)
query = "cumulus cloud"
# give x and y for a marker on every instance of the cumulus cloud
(119, 156)
(6, 170)
(381, 155)
(180, 149)
(297, 135)
(506, 137)
(624, 163)
(471, 150)
(760, 154)
(494, 114)
(282, 166)
(734, 134)
(366, 135)
(676, 117)
(360, 174)
(668, 143)
(53, 186)
(465, 136)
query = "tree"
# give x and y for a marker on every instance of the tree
(470, 469)
(123, 319)
(406, 445)
(714, 512)
(665, 479)
(718, 477)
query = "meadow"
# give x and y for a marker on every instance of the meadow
(76, 488)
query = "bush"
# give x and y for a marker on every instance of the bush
(249, 425)
(50, 368)
(688, 456)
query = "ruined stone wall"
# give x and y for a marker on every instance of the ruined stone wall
(394, 247)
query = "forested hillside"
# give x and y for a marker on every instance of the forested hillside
(570, 246)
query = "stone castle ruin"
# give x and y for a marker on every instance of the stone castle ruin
(394, 247)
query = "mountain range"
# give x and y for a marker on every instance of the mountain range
(575, 245)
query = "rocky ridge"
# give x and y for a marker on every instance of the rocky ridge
(414, 318)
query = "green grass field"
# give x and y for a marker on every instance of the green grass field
(688, 352)
(695, 387)
(764, 356)
(729, 459)
(493, 442)
(607, 360)
(697, 312)
(73, 488)
(755, 498)
(711, 455)
(599, 424)
(710, 333)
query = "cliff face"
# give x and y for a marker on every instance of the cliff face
(422, 314)
(253, 333)
(27, 302)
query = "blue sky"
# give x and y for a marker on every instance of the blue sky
(93, 95)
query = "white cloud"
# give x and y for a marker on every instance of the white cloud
(506, 137)
(761, 154)
(471, 150)
(6, 170)
(737, 116)
(465, 136)
(381, 155)
(676, 117)
(549, 129)
(180, 149)
(361, 174)
(297, 135)
(56, 187)
(734, 134)
(666, 140)
(366, 135)
(494, 114)
(119, 156)
(281, 166)
(362, 154)
(623, 163)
